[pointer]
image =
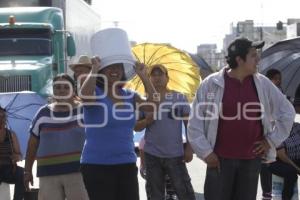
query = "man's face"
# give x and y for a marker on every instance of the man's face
(81, 70)
(250, 64)
(159, 78)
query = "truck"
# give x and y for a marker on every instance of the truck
(38, 42)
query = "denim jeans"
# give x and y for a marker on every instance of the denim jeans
(288, 173)
(266, 182)
(236, 180)
(11, 175)
(157, 168)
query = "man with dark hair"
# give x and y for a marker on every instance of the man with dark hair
(81, 69)
(239, 117)
(275, 76)
(164, 152)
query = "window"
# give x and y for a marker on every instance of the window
(25, 42)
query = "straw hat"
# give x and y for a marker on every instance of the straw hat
(83, 60)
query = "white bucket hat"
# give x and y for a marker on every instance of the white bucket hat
(112, 46)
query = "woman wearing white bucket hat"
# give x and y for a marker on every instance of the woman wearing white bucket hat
(108, 161)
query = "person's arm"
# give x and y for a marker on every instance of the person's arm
(184, 110)
(143, 123)
(281, 154)
(87, 90)
(32, 147)
(141, 71)
(283, 114)
(196, 128)
(142, 158)
(188, 151)
(151, 103)
(17, 155)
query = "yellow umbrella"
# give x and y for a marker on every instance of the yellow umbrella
(184, 74)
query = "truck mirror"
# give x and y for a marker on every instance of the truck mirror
(71, 48)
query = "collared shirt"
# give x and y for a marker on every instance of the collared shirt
(238, 130)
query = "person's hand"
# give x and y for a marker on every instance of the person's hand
(143, 172)
(149, 117)
(188, 153)
(28, 178)
(261, 147)
(16, 157)
(297, 169)
(95, 63)
(141, 69)
(212, 161)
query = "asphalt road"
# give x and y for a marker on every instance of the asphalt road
(196, 170)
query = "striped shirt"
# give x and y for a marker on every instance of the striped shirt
(292, 143)
(61, 140)
(6, 149)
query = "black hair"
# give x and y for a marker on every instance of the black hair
(66, 77)
(272, 72)
(2, 109)
(240, 47)
(231, 59)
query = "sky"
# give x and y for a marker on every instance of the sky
(188, 23)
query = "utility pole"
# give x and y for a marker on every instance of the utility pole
(88, 2)
(116, 23)
(261, 32)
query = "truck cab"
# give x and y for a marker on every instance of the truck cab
(33, 48)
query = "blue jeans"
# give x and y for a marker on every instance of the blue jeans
(157, 168)
(266, 181)
(236, 180)
(288, 173)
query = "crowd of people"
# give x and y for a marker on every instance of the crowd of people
(240, 124)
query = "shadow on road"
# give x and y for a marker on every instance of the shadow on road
(199, 196)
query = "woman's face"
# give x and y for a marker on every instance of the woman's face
(63, 90)
(113, 73)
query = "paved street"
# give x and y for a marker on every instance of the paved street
(196, 170)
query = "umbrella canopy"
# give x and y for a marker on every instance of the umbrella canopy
(205, 69)
(21, 108)
(285, 57)
(184, 74)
